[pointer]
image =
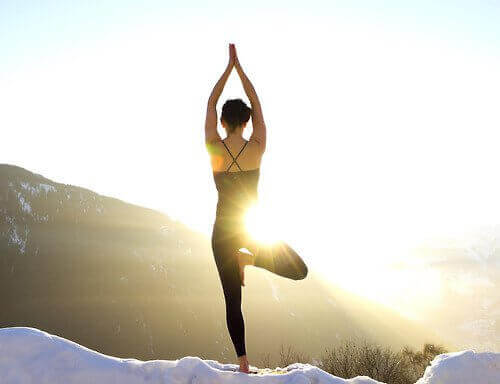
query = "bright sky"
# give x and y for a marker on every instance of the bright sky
(382, 116)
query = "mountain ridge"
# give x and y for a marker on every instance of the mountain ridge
(91, 255)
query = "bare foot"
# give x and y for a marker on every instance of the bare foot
(244, 366)
(243, 260)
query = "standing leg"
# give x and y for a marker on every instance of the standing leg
(278, 258)
(227, 265)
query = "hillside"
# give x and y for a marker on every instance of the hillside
(128, 281)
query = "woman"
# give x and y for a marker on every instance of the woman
(236, 178)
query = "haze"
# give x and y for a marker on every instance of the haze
(382, 119)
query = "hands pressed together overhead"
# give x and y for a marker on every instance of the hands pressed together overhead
(259, 129)
(233, 58)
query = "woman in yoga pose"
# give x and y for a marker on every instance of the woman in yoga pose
(236, 179)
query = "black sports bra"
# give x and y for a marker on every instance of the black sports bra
(237, 190)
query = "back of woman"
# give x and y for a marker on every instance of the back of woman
(249, 158)
(236, 182)
(236, 170)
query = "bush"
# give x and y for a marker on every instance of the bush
(289, 356)
(366, 359)
(265, 359)
(416, 362)
(352, 359)
(362, 358)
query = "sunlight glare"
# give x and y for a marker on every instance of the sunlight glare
(261, 224)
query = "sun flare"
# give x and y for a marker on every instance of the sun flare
(262, 224)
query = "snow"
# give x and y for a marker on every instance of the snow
(25, 205)
(463, 368)
(29, 355)
(36, 189)
(14, 237)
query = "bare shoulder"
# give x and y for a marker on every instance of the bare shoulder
(256, 144)
(213, 146)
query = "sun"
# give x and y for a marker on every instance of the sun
(262, 224)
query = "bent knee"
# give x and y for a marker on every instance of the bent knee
(306, 271)
(301, 275)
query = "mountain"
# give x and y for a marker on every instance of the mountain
(129, 281)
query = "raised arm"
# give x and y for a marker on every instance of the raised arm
(259, 127)
(211, 133)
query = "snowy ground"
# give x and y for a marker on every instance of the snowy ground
(28, 355)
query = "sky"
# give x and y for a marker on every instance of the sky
(382, 118)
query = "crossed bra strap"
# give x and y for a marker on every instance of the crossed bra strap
(234, 158)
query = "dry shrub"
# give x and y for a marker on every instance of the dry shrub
(288, 355)
(351, 359)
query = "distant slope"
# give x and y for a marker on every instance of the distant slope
(128, 281)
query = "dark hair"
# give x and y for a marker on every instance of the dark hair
(235, 113)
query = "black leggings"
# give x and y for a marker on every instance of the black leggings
(279, 258)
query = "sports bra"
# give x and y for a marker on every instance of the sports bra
(236, 191)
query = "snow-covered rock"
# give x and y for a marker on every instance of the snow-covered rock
(28, 355)
(464, 367)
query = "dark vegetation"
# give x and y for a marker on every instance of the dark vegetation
(362, 358)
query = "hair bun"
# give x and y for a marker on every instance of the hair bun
(235, 113)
